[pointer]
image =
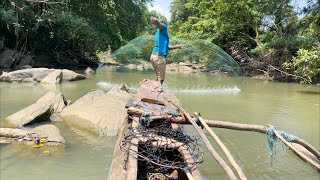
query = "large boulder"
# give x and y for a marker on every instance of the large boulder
(6, 58)
(99, 112)
(52, 102)
(37, 75)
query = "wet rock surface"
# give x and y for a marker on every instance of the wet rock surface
(52, 102)
(99, 112)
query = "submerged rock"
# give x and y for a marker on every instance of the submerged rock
(52, 102)
(38, 74)
(89, 70)
(99, 112)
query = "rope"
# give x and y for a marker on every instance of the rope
(272, 139)
(145, 119)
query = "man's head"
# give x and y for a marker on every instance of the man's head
(164, 22)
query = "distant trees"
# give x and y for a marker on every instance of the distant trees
(64, 29)
(270, 32)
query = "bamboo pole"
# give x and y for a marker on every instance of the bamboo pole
(216, 156)
(259, 129)
(297, 152)
(223, 148)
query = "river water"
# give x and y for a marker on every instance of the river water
(293, 108)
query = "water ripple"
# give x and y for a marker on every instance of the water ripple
(192, 90)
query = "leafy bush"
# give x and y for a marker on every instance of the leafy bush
(306, 63)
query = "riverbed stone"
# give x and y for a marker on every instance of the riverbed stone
(13, 132)
(38, 74)
(54, 77)
(99, 112)
(50, 132)
(89, 70)
(6, 58)
(52, 102)
(131, 66)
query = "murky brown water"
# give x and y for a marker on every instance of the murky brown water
(293, 108)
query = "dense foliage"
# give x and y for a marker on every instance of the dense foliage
(253, 31)
(67, 30)
(306, 64)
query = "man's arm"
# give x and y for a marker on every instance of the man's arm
(175, 47)
(156, 22)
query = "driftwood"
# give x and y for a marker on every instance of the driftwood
(223, 148)
(218, 158)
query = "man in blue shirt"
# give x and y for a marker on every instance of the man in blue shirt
(160, 49)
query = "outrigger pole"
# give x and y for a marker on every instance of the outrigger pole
(216, 156)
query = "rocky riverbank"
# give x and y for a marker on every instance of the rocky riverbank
(98, 112)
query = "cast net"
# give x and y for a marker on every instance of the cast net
(195, 51)
(162, 150)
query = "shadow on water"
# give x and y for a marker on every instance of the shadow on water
(309, 92)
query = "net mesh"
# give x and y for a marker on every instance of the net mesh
(196, 51)
(162, 149)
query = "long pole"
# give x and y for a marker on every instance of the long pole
(223, 147)
(206, 141)
(301, 155)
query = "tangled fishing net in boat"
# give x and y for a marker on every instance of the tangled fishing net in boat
(194, 51)
(161, 149)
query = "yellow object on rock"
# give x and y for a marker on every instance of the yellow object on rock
(38, 145)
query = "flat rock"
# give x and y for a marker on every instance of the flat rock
(52, 102)
(99, 112)
(38, 74)
(49, 132)
(13, 132)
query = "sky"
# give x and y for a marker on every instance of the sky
(161, 6)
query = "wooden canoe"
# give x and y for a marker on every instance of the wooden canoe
(127, 165)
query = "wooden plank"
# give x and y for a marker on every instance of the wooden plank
(117, 170)
(132, 170)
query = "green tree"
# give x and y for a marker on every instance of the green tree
(66, 31)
